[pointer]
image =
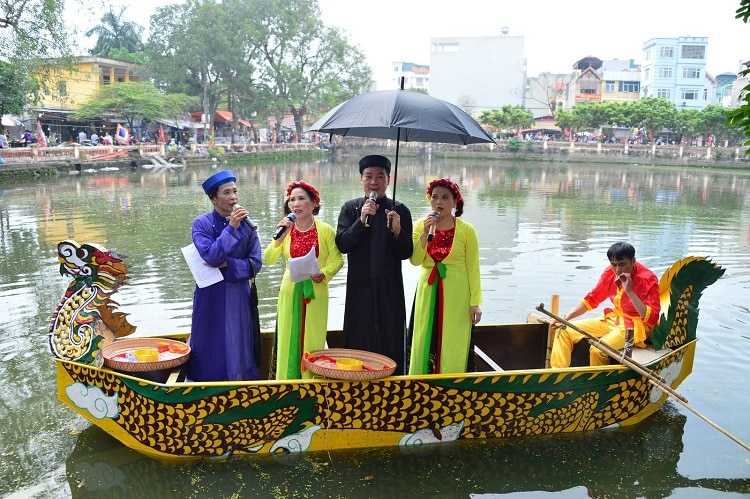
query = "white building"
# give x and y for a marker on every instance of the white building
(416, 76)
(478, 73)
(675, 68)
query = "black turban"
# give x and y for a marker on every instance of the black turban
(375, 160)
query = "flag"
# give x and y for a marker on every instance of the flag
(41, 141)
(162, 137)
(121, 135)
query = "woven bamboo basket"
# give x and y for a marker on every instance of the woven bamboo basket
(172, 353)
(337, 363)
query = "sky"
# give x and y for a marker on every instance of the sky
(556, 34)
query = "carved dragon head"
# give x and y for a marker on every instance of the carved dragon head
(681, 287)
(86, 317)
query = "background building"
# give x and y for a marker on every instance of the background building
(70, 87)
(416, 76)
(621, 81)
(675, 69)
(595, 80)
(724, 84)
(478, 73)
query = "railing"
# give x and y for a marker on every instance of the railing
(77, 152)
(640, 150)
(594, 151)
(72, 153)
(580, 150)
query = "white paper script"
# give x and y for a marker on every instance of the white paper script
(302, 267)
(204, 274)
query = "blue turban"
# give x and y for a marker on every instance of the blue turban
(217, 179)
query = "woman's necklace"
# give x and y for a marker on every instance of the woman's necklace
(446, 223)
(312, 224)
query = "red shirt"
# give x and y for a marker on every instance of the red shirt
(645, 285)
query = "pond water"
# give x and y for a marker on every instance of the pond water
(543, 229)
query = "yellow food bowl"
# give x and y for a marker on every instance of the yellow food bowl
(146, 354)
(348, 364)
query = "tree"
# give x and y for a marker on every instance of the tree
(303, 64)
(35, 29)
(31, 31)
(687, 122)
(184, 49)
(544, 92)
(466, 103)
(711, 121)
(507, 118)
(654, 114)
(177, 105)
(123, 54)
(113, 33)
(493, 118)
(254, 58)
(239, 69)
(740, 117)
(14, 84)
(569, 121)
(129, 100)
(598, 114)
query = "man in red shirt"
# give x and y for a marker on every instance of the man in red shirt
(634, 291)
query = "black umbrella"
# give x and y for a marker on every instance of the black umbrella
(402, 115)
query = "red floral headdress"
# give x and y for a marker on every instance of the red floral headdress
(304, 185)
(445, 182)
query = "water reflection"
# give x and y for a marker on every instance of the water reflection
(543, 229)
(629, 462)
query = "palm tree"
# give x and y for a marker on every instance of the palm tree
(114, 33)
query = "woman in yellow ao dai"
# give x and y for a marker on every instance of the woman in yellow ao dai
(449, 292)
(302, 309)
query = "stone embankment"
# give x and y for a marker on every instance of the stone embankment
(55, 160)
(43, 161)
(575, 152)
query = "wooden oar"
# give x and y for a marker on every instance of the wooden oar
(640, 369)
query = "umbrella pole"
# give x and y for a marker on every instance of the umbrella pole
(395, 165)
(389, 222)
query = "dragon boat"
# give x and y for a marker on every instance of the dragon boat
(512, 393)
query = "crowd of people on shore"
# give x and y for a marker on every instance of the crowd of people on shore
(25, 138)
(376, 233)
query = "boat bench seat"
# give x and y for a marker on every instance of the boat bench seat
(647, 355)
(176, 375)
(580, 356)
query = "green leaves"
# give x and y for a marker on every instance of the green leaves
(133, 100)
(258, 57)
(14, 94)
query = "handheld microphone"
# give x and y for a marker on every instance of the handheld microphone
(431, 234)
(374, 196)
(247, 219)
(281, 229)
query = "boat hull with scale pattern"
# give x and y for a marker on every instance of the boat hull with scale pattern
(512, 394)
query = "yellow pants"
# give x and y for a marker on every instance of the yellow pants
(566, 338)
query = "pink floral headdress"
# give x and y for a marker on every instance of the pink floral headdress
(304, 185)
(445, 182)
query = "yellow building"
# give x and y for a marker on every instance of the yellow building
(68, 88)
(606, 81)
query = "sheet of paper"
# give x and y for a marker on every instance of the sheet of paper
(302, 267)
(204, 274)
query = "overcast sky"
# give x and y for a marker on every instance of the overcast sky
(556, 34)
